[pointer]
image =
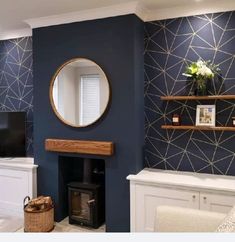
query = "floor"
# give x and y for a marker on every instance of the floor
(10, 223)
(64, 226)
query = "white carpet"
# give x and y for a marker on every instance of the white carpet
(10, 224)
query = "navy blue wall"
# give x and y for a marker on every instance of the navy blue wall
(116, 44)
(170, 45)
(16, 81)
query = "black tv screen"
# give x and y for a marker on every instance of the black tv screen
(12, 134)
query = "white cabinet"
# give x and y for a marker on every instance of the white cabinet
(18, 178)
(149, 196)
(151, 188)
(216, 202)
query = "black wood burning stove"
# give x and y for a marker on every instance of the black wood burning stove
(86, 200)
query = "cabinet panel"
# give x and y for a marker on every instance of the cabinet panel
(149, 197)
(216, 202)
(17, 180)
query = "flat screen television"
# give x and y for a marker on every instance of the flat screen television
(12, 134)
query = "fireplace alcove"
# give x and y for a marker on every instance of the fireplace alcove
(85, 176)
(81, 179)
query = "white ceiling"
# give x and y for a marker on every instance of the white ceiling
(13, 13)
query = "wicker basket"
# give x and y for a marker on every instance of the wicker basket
(39, 221)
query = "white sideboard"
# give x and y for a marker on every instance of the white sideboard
(152, 187)
(18, 179)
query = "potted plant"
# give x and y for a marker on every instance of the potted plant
(201, 72)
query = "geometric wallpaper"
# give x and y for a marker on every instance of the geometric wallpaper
(16, 81)
(169, 46)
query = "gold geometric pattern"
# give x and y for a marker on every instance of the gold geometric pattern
(169, 46)
(16, 81)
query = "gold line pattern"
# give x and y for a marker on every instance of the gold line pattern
(169, 46)
(16, 81)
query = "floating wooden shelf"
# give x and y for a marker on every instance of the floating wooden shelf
(216, 128)
(80, 146)
(213, 97)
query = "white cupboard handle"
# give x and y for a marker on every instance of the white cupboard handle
(194, 196)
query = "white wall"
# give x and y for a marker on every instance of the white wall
(67, 93)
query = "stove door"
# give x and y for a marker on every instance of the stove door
(81, 206)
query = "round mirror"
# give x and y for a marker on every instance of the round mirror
(79, 92)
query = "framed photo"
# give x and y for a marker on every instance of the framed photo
(205, 115)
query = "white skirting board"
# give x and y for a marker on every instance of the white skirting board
(18, 179)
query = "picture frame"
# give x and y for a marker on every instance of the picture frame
(205, 115)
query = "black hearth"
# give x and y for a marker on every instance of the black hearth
(86, 199)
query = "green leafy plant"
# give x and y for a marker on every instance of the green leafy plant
(201, 70)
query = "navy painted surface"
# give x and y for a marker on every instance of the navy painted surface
(116, 44)
(169, 46)
(16, 81)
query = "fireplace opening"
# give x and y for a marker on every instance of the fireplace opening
(83, 182)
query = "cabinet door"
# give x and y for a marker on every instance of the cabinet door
(216, 202)
(148, 198)
(14, 188)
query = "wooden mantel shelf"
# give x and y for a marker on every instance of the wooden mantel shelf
(212, 97)
(189, 127)
(80, 146)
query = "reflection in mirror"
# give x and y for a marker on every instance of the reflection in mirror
(79, 92)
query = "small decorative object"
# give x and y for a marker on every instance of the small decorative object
(205, 115)
(233, 118)
(201, 72)
(175, 119)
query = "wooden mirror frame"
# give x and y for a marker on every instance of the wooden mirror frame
(51, 94)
